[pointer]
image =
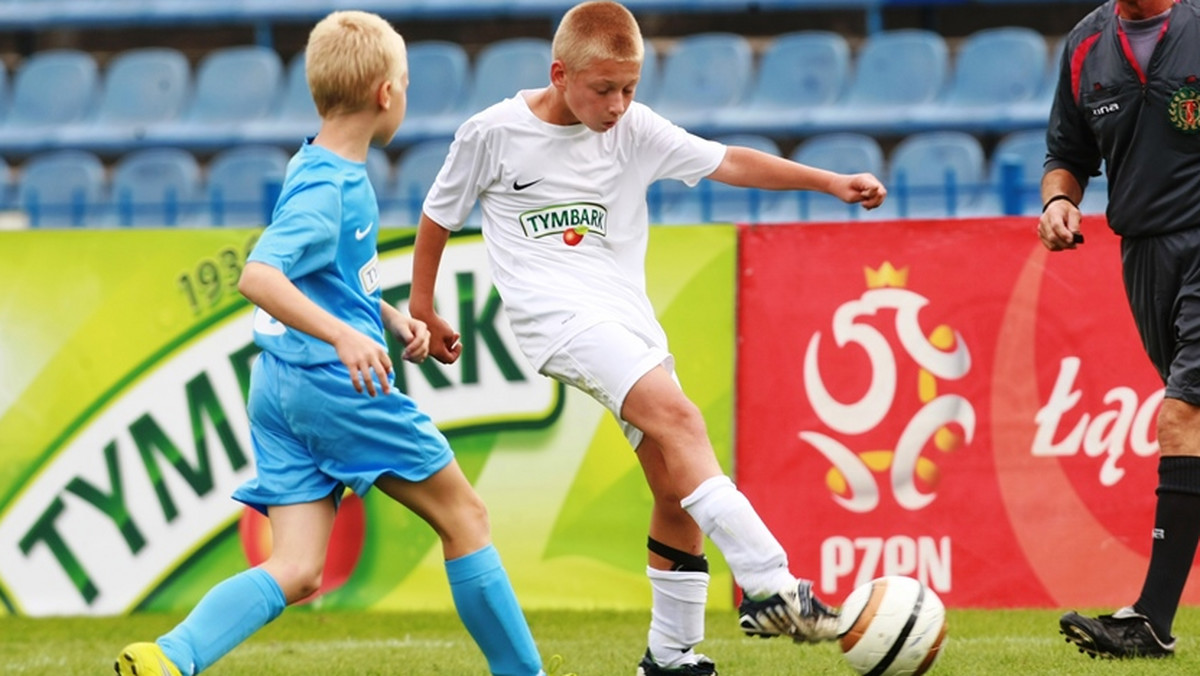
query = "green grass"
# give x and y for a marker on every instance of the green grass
(603, 643)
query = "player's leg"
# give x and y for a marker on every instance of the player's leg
(1162, 280)
(479, 584)
(678, 573)
(777, 603)
(239, 606)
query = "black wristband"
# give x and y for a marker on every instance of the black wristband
(1056, 198)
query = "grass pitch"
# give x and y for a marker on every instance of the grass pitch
(602, 643)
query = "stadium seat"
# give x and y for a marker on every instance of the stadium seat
(62, 188)
(895, 71)
(725, 203)
(295, 116)
(438, 84)
(140, 87)
(379, 171)
(703, 74)
(505, 66)
(996, 68)
(243, 184)
(6, 186)
(798, 73)
(1022, 152)
(4, 90)
(1035, 112)
(651, 81)
(156, 187)
(415, 172)
(51, 89)
(234, 86)
(844, 153)
(936, 174)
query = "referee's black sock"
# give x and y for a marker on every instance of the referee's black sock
(1176, 532)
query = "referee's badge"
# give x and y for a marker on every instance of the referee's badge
(1184, 110)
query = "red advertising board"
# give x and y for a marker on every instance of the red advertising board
(950, 401)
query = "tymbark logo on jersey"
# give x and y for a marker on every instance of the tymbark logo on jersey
(572, 220)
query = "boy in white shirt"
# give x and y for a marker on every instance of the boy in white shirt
(561, 175)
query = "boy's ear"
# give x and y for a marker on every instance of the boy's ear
(384, 94)
(558, 74)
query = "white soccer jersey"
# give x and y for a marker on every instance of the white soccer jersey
(564, 213)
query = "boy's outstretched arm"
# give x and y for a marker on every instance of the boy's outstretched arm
(270, 289)
(750, 168)
(427, 256)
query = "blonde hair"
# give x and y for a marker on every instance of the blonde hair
(348, 54)
(592, 31)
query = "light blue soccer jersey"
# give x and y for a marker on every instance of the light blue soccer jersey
(323, 236)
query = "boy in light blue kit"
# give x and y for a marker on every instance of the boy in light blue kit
(323, 413)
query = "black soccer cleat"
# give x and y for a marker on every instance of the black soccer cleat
(701, 667)
(1125, 633)
(793, 612)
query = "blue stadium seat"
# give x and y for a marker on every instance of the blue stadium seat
(234, 85)
(936, 174)
(439, 80)
(4, 90)
(379, 171)
(651, 82)
(415, 172)
(844, 153)
(156, 187)
(141, 87)
(1022, 152)
(995, 69)
(295, 115)
(505, 66)
(895, 71)
(243, 184)
(703, 74)
(1035, 112)
(51, 89)
(798, 73)
(6, 186)
(731, 204)
(63, 188)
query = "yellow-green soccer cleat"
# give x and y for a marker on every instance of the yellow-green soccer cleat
(144, 659)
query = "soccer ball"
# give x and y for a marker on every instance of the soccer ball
(892, 626)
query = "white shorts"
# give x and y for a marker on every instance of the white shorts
(605, 361)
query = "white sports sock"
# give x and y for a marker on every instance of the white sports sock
(756, 558)
(676, 615)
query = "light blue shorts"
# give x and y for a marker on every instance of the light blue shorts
(314, 435)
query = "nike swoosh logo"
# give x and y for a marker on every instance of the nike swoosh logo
(522, 186)
(359, 234)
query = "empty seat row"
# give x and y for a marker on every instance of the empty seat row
(935, 174)
(803, 83)
(928, 174)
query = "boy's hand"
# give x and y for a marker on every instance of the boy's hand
(415, 336)
(1059, 225)
(367, 360)
(863, 189)
(443, 339)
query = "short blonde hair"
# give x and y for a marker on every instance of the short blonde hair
(592, 31)
(348, 54)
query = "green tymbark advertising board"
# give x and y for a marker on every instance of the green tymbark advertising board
(124, 363)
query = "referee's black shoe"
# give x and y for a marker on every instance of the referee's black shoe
(1125, 633)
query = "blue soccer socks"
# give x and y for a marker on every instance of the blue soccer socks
(489, 610)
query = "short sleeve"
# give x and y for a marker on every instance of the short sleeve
(303, 234)
(462, 178)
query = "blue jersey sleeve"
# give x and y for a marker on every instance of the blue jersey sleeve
(303, 235)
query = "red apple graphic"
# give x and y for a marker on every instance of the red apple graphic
(574, 236)
(345, 543)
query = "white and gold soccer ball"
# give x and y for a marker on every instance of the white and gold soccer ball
(892, 626)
